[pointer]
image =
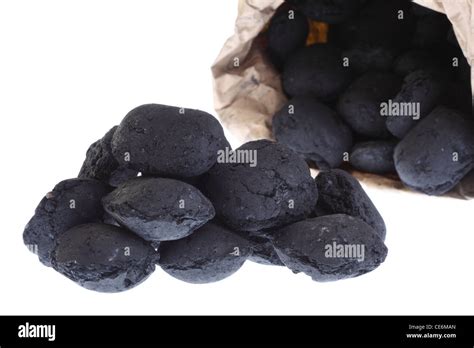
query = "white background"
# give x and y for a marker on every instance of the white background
(70, 70)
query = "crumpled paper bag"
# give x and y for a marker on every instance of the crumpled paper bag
(248, 92)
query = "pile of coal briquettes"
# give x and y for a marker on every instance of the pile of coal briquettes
(386, 90)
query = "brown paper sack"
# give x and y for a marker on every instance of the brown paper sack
(247, 89)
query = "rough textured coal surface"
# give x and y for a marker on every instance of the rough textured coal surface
(314, 131)
(168, 141)
(436, 154)
(316, 70)
(286, 34)
(278, 190)
(329, 11)
(312, 247)
(210, 254)
(72, 202)
(341, 193)
(100, 164)
(373, 156)
(422, 87)
(360, 104)
(103, 258)
(262, 248)
(159, 209)
(430, 30)
(414, 60)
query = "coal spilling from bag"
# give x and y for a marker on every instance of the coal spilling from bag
(367, 77)
(109, 229)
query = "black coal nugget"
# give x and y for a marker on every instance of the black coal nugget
(360, 104)
(272, 190)
(373, 156)
(330, 247)
(314, 131)
(168, 141)
(103, 258)
(420, 94)
(159, 209)
(210, 254)
(436, 154)
(341, 193)
(287, 33)
(72, 202)
(316, 70)
(329, 11)
(100, 164)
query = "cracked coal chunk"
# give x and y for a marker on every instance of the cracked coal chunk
(159, 209)
(436, 154)
(329, 11)
(341, 193)
(100, 164)
(168, 141)
(373, 156)
(316, 70)
(314, 131)
(262, 248)
(210, 254)
(277, 190)
(72, 202)
(330, 248)
(360, 104)
(103, 258)
(421, 92)
(287, 33)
